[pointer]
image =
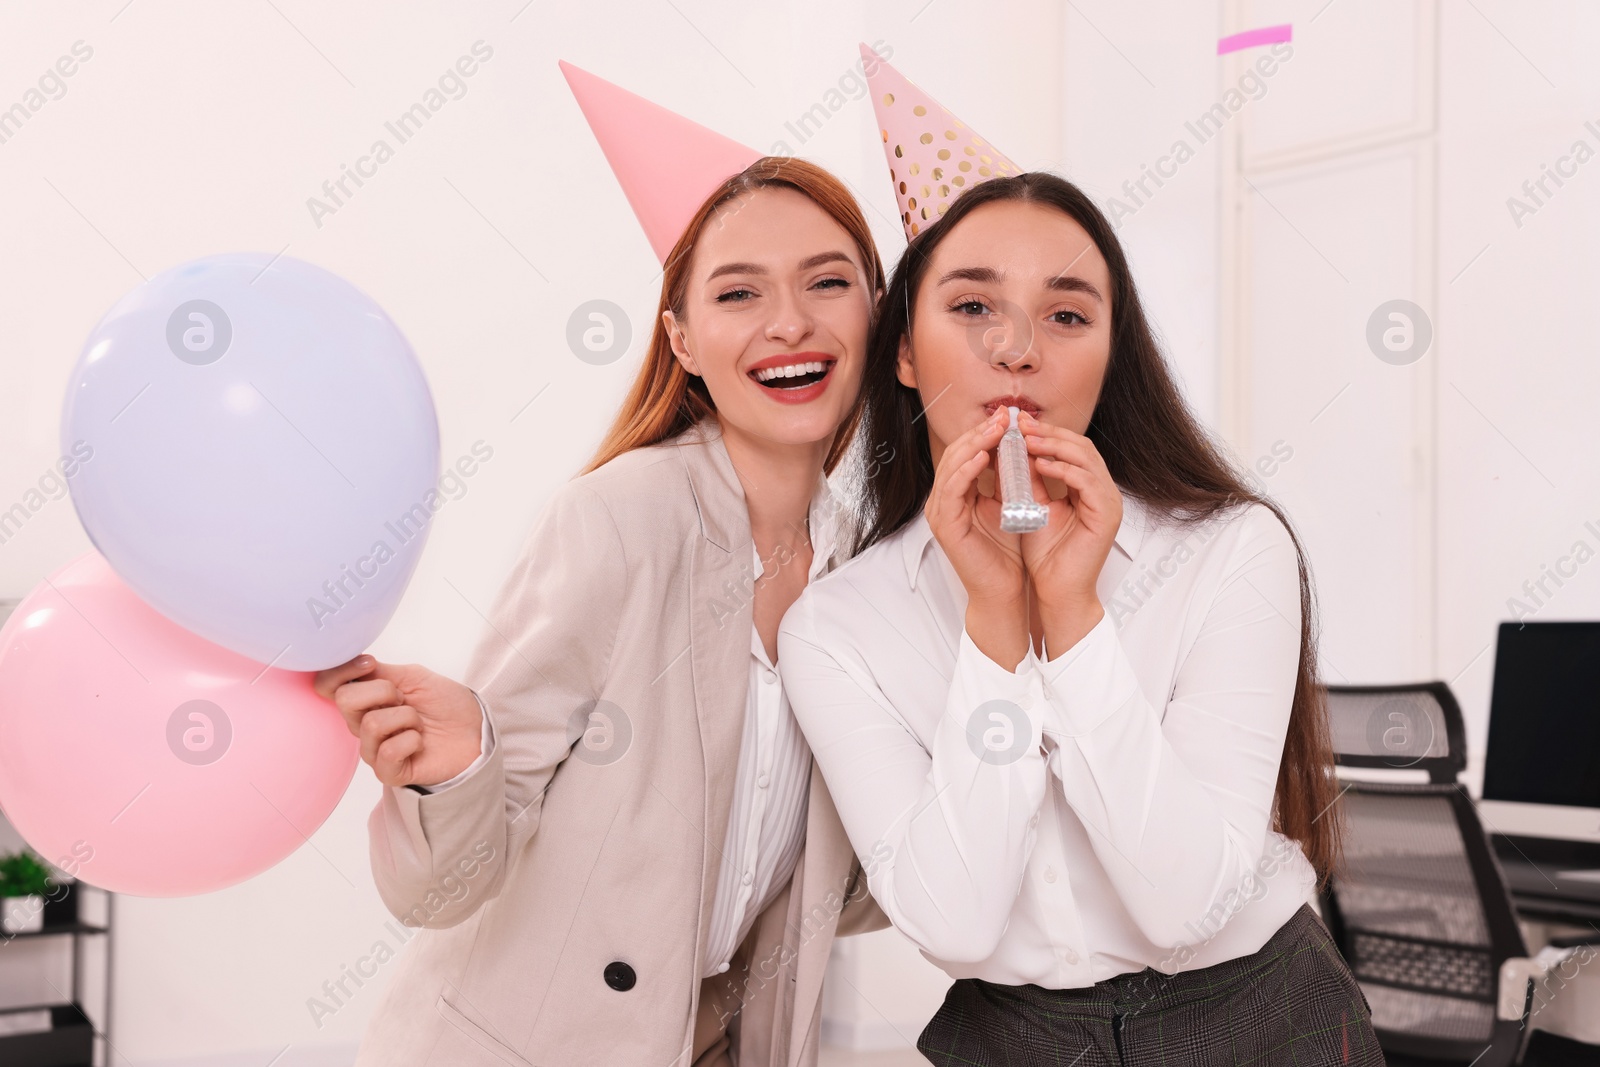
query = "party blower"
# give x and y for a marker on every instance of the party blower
(1019, 511)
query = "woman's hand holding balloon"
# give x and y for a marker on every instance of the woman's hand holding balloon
(416, 727)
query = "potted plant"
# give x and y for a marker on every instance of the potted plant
(24, 881)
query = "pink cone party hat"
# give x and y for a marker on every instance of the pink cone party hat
(933, 156)
(666, 164)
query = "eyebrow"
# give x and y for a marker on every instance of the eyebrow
(755, 268)
(1063, 283)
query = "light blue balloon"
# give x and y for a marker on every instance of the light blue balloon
(259, 455)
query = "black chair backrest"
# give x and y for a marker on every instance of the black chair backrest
(1398, 727)
(1420, 908)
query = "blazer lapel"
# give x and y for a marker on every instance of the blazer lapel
(826, 865)
(721, 592)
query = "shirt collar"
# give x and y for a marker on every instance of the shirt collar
(917, 535)
(822, 517)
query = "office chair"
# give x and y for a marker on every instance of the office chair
(1420, 909)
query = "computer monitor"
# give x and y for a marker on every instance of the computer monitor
(1541, 774)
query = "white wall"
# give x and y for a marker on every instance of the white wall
(1520, 379)
(196, 128)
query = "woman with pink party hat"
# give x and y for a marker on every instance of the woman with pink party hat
(613, 837)
(1109, 725)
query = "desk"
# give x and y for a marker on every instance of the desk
(1540, 890)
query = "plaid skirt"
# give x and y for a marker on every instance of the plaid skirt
(1293, 1002)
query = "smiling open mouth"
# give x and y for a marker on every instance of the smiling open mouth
(793, 376)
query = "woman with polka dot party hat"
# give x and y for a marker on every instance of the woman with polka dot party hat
(1093, 751)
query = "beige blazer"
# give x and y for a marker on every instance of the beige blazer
(563, 895)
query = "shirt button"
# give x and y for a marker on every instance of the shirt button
(722, 969)
(1033, 820)
(769, 675)
(1072, 957)
(762, 781)
(748, 877)
(1050, 874)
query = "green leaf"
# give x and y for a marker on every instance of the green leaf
(23, 875)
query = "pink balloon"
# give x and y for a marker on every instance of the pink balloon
(143, 759)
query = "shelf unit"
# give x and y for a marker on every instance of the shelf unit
(71, 1040)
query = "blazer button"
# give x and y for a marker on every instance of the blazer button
(620, 976)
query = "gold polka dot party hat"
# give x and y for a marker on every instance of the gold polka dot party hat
(933, 156)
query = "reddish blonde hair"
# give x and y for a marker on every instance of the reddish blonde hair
(665, 399)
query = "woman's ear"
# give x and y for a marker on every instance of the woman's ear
(680, 343)
(904, 369)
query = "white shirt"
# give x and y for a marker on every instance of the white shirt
(1115, 812)
(766, 826)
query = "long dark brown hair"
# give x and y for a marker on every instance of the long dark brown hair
(1153, 446)
(665, 399)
